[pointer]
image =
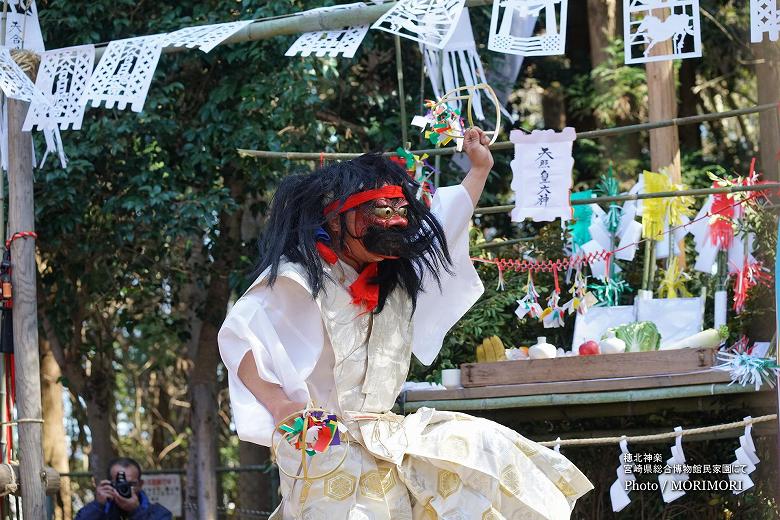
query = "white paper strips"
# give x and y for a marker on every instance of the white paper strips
(746, 461)
(460, 65)
(204, 37)
(647, 23)
(124, 73)
(332, 43)
(676, 473)
(430, 22)
(764, 19)
(541, 174)
(619, 489)
(22, 29)
(14, 83)
(551, 42)
(62, 78)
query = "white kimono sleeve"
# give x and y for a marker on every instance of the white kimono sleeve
(438, 310)
(283, 329)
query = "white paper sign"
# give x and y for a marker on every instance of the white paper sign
(164, 490)
(430, 22)
(23, 30)
(14, 83)
(551, 42)
(764, 19)
(541, 174)
(647, 23)
(331, 43)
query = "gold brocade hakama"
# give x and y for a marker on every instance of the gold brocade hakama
(427, 465)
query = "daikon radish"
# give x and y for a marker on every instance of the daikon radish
(709, 338)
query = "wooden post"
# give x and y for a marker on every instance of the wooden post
(21, 217)
(768, 80)
(664, 142)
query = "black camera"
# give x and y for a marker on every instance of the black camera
(122, 486)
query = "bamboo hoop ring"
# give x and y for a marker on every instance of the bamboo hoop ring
(451, 96)
(275, 447)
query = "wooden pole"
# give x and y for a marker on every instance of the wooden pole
(21, 217)
(768, 86)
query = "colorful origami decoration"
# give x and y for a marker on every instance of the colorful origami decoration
(529, 304)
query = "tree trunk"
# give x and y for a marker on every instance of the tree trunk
(690, 135)
(99, 397)
(554, 107)
(601, 29)
(55, 453)
(202, 476)
(254, 488)
(768, 79)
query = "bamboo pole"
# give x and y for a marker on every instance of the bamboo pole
(399, 72)
(508, 145)
(25, 313)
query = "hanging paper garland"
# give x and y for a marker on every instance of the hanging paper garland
(673, 282)
(529, 304)
(460, 65)
(647, 23)
(343, 41)
(764, 19)
(124, 73)
(746, 369)
(430, 22)
(203, 37)
(581, 218)
(553, 315)
(608, 187)
(745, 279)
(503, 37)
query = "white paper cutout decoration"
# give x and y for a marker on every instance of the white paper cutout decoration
(331, 43)
(549, 43)
(676, 472)
(430, 22)
(460, 65)
(541, 174)
(746, 461)
(764, 19)
(62, 77)
(124, 73)
(204, 37)
(22, 29)
(647, 23)
(14, 83)
(618, 491)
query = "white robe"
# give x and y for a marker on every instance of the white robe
(283, 328)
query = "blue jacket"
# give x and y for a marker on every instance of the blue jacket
(109, 511)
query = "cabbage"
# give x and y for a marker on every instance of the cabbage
(641, 336)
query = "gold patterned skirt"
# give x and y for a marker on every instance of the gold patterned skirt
(452, 467)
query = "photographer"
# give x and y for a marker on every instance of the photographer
(121, 497)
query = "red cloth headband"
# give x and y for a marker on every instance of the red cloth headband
(391, 191)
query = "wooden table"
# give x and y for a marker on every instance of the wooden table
(694, 394)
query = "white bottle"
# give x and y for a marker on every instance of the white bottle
(542, 349)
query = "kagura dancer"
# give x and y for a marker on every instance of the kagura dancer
(355, 275)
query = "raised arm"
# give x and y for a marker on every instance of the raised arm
(476, 147)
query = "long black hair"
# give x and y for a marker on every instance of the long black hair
(296, 222)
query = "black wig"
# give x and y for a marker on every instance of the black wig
(296, 222)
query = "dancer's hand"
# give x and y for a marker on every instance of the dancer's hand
(283, 409)
(475, 144)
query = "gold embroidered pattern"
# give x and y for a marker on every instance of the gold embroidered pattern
(340, 486)
(376, 484)
(565, 487)
(456, 448)
(429, 513)
(510, 481)
(527, 448)
(448, 483)
(491, 514)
